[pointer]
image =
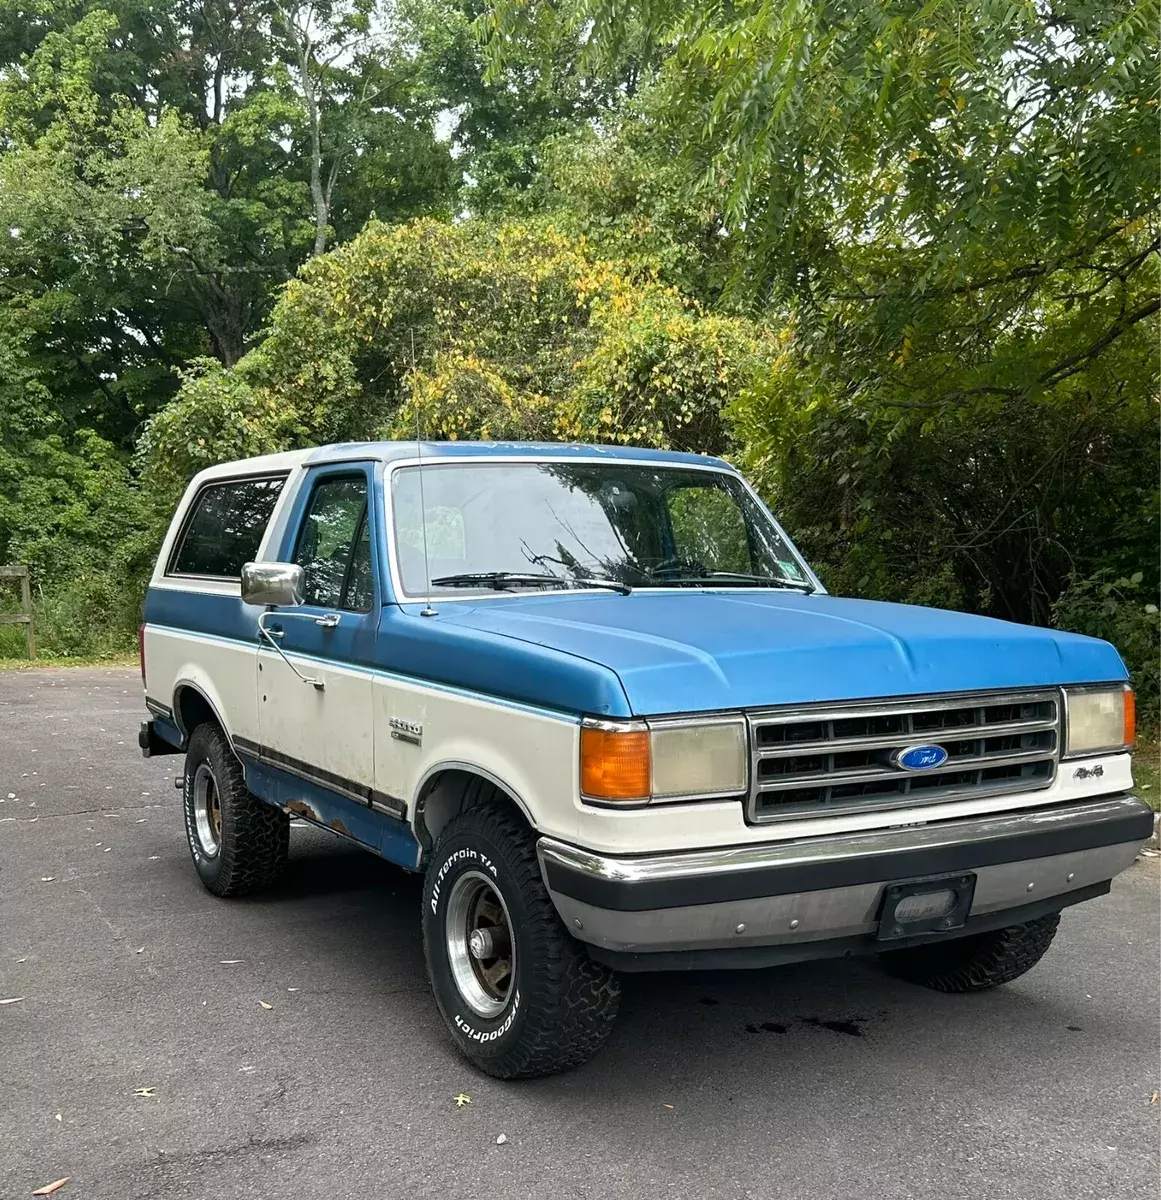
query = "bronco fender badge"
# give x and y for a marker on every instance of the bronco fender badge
(919, 758)
(406, 731)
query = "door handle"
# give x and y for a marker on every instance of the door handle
(272, 635)
(327, 620)
(274, 631)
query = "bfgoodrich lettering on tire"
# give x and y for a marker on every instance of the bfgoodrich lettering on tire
(520, 997)
(238, 843)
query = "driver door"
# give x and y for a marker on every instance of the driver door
(326, 734)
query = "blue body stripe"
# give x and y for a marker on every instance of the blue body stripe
(385, 835)
(167, 730)
(403, 645)
(653, 652)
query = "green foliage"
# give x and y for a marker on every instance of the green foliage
(69, 511)
(468, 330)
(901, 262)
(991, 509)
(506, 119)
(1122, 610)
(216, 417)
(663, 372)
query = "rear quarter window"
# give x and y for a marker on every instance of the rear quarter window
(224, 527)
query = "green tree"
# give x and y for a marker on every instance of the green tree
(474, 329)
(953, 208)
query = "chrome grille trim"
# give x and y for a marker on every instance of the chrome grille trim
(998, 730)
(992, 750)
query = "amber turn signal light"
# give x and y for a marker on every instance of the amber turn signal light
(615, 765)
(1130, 716)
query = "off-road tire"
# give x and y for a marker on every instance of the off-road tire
(255, 836)
(976, 962)
(561, 1005)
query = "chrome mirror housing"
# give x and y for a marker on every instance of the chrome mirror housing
(276, 583)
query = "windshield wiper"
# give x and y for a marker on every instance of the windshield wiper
(500, 581)
(734, 579)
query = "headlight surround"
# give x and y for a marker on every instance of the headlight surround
(703, 759)
(1099, 719)
(634, 763)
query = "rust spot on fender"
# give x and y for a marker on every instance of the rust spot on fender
(339, 827)
(301, 809)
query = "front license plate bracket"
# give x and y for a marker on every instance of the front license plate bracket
(937, 904)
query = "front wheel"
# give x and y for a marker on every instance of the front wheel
(978, 961)
(520, 997)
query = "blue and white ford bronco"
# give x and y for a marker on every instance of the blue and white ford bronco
(599, 699)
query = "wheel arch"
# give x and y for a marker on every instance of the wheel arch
(192, 705)
(449, 787)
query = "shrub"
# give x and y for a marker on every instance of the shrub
(1121, 610)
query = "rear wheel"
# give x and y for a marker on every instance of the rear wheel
(520, 997)
(238, 843)
(976, 962)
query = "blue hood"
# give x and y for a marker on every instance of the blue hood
(686, 651)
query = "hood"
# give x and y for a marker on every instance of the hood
(687, 651)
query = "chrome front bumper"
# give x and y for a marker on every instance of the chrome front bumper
(817, 897)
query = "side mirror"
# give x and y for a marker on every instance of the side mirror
(275, 583)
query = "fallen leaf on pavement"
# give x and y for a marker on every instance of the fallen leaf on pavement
(1155, 1098)
(266, 1006)
(145, 1091)
(49, 1188)
(461, 1100)
(12, 1000)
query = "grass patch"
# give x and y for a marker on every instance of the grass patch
(24, 664)
(1147, 769)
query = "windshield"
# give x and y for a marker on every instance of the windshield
(527, 525)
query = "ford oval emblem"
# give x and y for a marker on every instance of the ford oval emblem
(920, 758)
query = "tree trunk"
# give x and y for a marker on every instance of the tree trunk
(318, 194)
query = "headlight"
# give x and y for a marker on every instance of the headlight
(635, 762)
(1103, 718)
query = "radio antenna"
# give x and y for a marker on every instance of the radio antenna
(427, 610)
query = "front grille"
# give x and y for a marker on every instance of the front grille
(825, 761)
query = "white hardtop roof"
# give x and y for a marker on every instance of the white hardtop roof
(395, 451)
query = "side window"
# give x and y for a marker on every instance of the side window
(708, 526)
(225, 527)
(334, 545)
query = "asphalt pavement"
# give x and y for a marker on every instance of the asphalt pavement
(140, 1058)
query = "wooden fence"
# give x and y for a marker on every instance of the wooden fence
(24, 617)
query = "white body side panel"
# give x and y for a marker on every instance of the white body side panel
(533, 755)
(222, 671)
(332, 728)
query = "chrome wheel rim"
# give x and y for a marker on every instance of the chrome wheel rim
(207, 807)
(480, 948)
